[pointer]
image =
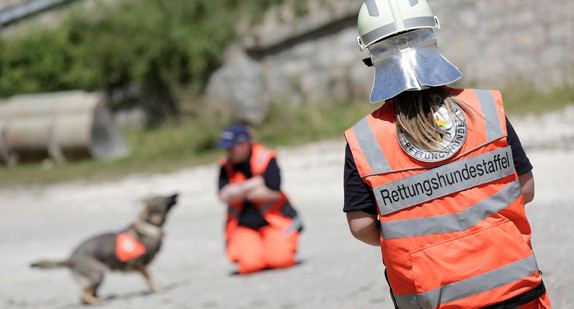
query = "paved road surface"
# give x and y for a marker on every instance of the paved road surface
(335, 271)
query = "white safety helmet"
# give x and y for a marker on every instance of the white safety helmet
(402, 47)
(379, 19)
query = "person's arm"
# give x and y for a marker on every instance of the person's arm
(359, 204)
(270, 186)
(364, 227)
(255, 189)
(260, 192)
(521, 164)
(237, 192)
(252, 189)
(527, 185)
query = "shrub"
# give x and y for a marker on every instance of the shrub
(158, 45)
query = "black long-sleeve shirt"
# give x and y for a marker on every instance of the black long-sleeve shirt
(249, 216)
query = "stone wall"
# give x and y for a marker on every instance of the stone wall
(314, 56)
(306, 51)
(496, 42)
(49, 18)
(4, 4)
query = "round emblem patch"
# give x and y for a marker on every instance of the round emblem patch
(449, 143)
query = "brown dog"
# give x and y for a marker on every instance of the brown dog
(130, 250)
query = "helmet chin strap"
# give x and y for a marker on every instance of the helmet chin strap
(368, 62)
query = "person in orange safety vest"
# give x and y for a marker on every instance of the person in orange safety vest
(262, 228)
(436, 176)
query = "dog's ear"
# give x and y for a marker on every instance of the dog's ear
(172, 200)
(147, 201)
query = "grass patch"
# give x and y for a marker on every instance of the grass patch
(527, 100)
(190, 141)
(295, 125)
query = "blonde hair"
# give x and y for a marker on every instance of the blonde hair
(415, 116)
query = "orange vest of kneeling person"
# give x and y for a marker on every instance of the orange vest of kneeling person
(262, 228)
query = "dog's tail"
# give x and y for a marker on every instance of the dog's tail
(50, 264)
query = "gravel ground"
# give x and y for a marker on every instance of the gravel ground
(335, 271)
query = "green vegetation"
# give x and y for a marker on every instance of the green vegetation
(167, 50)
(189, 142)
(160, 46)
(527, 100)
(164, 47)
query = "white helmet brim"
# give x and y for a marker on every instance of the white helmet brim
(409, 61)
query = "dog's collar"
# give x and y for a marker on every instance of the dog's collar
(147, 229)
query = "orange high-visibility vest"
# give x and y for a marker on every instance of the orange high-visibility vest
(277, 213)
(454, 233)
(128, 247)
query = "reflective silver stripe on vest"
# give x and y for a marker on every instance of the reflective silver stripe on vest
(469, 287)
(262, 156)
(490, 114)
(444, 180)
(375, 156)
(297, 224)
(233, 212)
(452, 222)
(266, 206)
(372, 7)
(370, 147)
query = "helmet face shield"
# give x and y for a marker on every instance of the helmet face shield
(409, 61)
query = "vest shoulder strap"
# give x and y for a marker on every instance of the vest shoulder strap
(260, 157)
(373, 155)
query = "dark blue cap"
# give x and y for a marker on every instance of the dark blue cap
(232, 135)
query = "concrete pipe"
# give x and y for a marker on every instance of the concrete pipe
(62, 126)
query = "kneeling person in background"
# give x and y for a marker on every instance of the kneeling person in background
(262, 228)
